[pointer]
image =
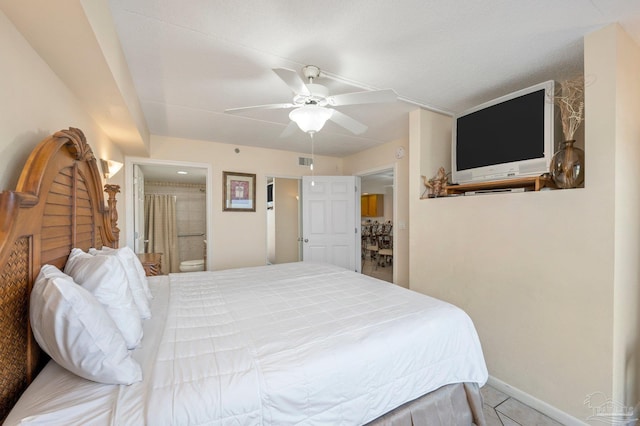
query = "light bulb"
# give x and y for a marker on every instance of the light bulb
(310, 118)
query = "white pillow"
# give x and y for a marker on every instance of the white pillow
(75, 330)
(128, 253)
(135, 285)
(105, 278)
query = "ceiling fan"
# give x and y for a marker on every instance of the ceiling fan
(313, 105)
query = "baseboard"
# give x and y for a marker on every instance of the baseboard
(533, 402)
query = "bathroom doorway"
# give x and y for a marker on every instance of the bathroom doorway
(283, 220)
(169, 214)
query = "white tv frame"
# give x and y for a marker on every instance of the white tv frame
(515, 169)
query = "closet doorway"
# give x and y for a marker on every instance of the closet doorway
(284, 222)
(170, 202)
(377, 208)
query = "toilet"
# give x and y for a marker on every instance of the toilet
(192, 265)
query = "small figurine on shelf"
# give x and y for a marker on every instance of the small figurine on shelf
(436, 185)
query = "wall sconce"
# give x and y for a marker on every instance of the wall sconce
(110, 168)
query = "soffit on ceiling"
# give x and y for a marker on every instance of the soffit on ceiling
(77, 39)
(189, 61)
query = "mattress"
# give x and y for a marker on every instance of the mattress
(276, 345)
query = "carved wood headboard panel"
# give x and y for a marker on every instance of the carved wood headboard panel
(58, 205)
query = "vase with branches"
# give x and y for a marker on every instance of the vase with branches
(567, 164)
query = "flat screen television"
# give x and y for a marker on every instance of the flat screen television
(270, 195)
(508, 137)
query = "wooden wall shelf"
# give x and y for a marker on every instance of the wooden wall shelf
(534, 183)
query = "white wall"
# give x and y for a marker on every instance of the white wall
(35, 104)
(239, 238)
(538, 272)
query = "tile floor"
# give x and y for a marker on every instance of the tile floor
(383, 273)
(502, 410)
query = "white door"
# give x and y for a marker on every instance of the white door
(330, 216)
(138, 209)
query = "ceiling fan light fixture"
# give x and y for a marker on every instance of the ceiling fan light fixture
(310, 118)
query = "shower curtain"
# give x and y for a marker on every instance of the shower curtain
(161, 229)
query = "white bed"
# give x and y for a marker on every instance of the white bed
(275, 345)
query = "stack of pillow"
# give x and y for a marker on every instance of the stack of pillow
(89, 317)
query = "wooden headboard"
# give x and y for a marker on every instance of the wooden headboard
(58, 205)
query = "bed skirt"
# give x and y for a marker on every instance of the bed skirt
(455, 404)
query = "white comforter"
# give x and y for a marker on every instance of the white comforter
(291, 344)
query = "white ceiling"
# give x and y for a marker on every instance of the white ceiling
(377, 183)
(191, 60)
(175, 174)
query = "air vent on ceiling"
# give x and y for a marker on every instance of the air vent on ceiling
(304, 161)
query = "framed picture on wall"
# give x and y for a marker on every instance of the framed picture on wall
(239, 192)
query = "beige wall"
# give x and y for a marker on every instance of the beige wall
(239, 238)
(35, 103)
(86, 56)
(613, 54)
(388, 204)
(383, 157)
(550, 279)
(271, 235)
(231, 248)
(286, 207)
(543, 275)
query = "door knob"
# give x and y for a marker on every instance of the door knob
(306, 240)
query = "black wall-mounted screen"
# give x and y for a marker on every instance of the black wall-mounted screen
(510, 131)
(269, 192)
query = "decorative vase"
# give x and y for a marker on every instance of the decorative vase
(567, 166)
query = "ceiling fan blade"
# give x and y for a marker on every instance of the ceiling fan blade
(372, 97)
(289, 130)
(347, 122)
(268, 106)
(293, 80)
